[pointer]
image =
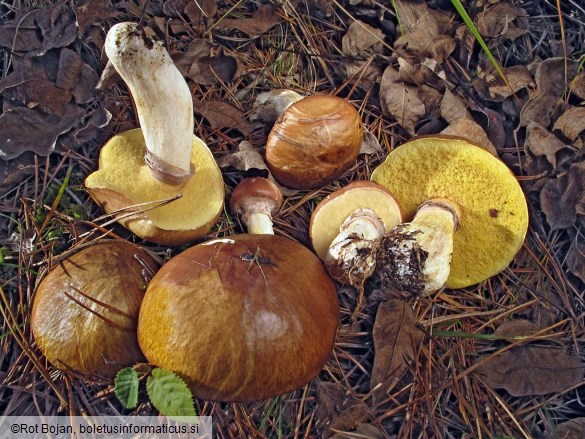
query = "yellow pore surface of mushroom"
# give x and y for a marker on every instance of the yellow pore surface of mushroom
(124, 180)
(332, 211)
(494, 213)
(85, 310)
(241, 318)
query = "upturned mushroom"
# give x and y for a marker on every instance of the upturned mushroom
(314, 141)
(85, 310)
(160, 181)
(241, 318)
(347, 226)
(468, 215)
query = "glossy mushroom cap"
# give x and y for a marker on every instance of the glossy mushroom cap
(314, 141)
(85, 310)
(242, 318)
(492, 209)
(257, 195)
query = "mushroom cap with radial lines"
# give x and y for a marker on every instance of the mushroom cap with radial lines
(332, 211)
(493, 212)
(124, 180)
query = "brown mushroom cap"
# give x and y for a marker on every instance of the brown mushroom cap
(124, 180)
(242, 318)
(85, 309)
(254, 191)
(314, 141)
(493, 217)
(332, 211)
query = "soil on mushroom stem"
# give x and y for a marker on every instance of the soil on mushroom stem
(436, 394)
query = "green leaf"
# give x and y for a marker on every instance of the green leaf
(126, 387)
(169, 394)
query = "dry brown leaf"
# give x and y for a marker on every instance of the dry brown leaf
(85, 89)
(199, 10)
(550, 76)
(93, 12)
(209, 70)
(221, 114)
(453, 107)
(571, 123)
(21, 34)
(395, 334)
(532, 370)
(518, 78)
(361, 39)
(572, 429)
(400, 100)
(26, 129)
(246, 158)
(57, 25)
(498, 21)
(262, 20)
(539, 109)
(517, 328)
(578, 85)
(15, 170)
(541, 142)
(418, 74)
(472, 131)
(576, 257)
(563, 197)
(338, 409)
(370, 144)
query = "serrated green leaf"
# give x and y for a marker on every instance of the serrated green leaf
(126, 387)
(169, 394)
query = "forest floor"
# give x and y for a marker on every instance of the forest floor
(504, 358)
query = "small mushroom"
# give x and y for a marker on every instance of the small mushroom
(468, 214)
(256, 200)
(314, 141)
(241, 318)
(346, 228)
(161, 181)
(85, 310)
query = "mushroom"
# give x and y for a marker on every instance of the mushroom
(160, 181)
(241, 318)
(468, 214)
(347, 226)
(256, 200)
(85, 310)
(314, 141)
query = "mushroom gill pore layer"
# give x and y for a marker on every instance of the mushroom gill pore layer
(124, 180)
(494, 213)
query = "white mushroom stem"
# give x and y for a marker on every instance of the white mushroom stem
(351, 257)
(416, 256)
(257, 216)
(162, 98)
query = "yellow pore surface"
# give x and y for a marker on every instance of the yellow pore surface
(335, 208)
(494, 214)
(123, 179)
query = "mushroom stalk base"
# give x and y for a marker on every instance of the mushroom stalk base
(415, 257)
(351, 258)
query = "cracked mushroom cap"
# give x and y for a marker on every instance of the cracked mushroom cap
(241, 318)
(332, 211)
(124, 180)
(494, 214)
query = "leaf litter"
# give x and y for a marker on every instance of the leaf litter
(412, 68)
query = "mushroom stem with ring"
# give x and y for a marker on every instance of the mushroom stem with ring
(351, 257)
(162, 97)
(416, 256)
(256, 200)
